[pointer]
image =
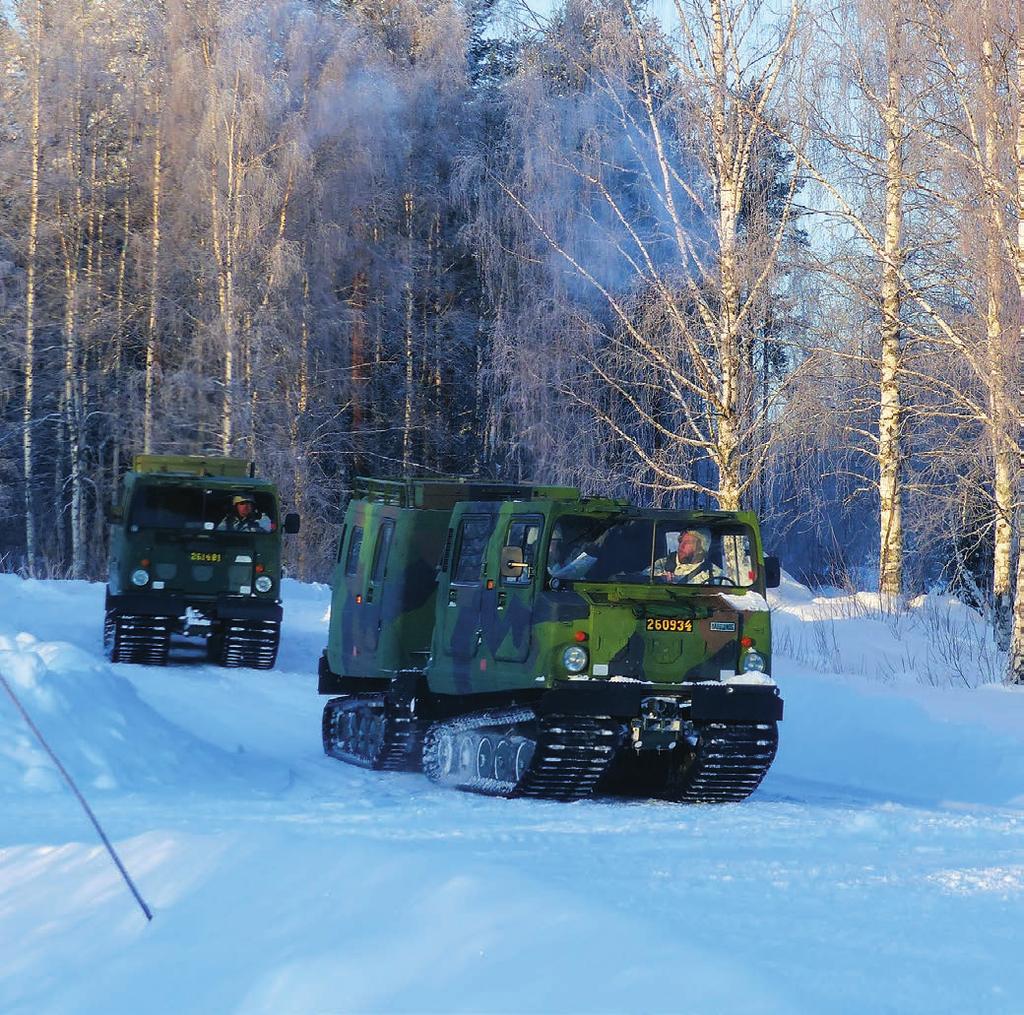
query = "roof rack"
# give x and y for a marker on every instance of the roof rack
(194, 465)
(446, 491)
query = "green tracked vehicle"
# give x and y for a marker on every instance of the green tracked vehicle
(525, 641)
(195, 549)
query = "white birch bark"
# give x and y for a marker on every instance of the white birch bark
(1015, 656)
(35, 167)
(731, 182)
(890, 489)
(70, 234)
(1000, 411)
(154, 282)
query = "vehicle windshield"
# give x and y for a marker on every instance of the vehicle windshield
(642, 552)
(161, 506)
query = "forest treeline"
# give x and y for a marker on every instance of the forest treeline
(723, 256)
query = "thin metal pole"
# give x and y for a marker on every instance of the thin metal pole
(81, 799)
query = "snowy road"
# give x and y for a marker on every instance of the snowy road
(879, 868)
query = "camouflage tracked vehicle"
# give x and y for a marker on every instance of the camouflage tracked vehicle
(195, 549)
(525, 641)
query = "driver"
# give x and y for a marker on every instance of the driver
(244, 516)
(689, 565)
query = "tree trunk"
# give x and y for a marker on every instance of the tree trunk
(154, 281)
(70, 399)
(35, 72)
(357, 357)
(1015, 657)
(890, 490)
(730, 198)
(1000, 412)
(298, 472)
(1003, 546)
(408, 346)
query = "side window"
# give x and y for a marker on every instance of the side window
(354, 546)
(341, 542)
(738, 559)
(471, 545)
(380, 553)
(524, 533)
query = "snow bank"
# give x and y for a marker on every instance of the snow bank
(933, 640)
(107, 737)
(104, 734)
(894, 703)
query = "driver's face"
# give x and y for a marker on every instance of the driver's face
(244, 508)
(690, 547)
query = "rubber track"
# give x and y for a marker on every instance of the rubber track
(131, 638)
(570, 754)
(402, 734)
(250, 643)
(730, 761)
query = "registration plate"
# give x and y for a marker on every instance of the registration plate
(201, 557)
(669, 624)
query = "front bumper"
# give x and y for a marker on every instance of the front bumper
(699, 702)
(170, 604)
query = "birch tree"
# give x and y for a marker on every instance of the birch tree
(866, 116)
(654, 142)
(1015, 660)
(976, 138)
(33, 17)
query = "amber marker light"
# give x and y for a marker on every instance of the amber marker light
(580, 635)
(746, 641)
(359, 599)
(144, 562)
(260, 569)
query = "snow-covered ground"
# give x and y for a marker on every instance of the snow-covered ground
(880, 867)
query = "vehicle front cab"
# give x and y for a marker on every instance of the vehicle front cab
(181, 547)
(594, 601)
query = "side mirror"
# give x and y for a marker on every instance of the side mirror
(512, 565)
(291, 523)
(772, 573)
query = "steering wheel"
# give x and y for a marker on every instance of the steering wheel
(719, 579)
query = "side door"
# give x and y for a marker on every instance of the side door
(335, 652)
(513, 604)
(369, 613)
(462, 609)
(346, 600)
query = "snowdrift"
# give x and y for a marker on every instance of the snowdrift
(105, 734)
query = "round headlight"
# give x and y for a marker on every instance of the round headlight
(263, 583)
(140, 577)
(575, 658)
(753, 662)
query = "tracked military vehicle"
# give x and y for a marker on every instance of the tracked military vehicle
(526, 641)
(195, 549)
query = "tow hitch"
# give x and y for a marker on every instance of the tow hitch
(660, 725)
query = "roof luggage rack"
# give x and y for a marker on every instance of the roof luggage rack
(444, 492)
(194, 465)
